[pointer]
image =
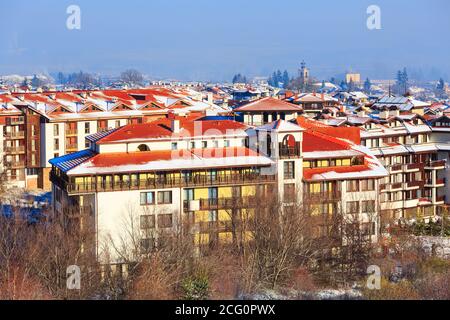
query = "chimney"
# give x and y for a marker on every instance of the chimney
(175, 125)
(210, 97)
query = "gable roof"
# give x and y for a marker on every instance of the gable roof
(268, 104)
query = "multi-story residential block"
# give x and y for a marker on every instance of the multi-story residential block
(41, 126)
(205, 171)
(404, 145)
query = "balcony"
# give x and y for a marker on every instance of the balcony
(15, 135)
(413, 185)
(395, 168)
(215, 226)
(322, 196)
(412, 167)
(72, 147)
(15, 164)
(71, 132)
(15, 150)
(289, 152)
(15, 121)
(435, 165)
(164, 183)
(434, 184)
(440, 200)
(230, 203)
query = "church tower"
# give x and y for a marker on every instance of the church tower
(303, 73)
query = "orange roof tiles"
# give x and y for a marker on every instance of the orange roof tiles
(268, 104)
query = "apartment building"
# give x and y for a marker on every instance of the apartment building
(56, 123)
(404, 144)
(204, 171)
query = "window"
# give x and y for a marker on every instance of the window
(289, 168)
(56, 144)
(289, 192)
(352, 186)
(212, 215)
(368, 206)
(353, 207)
(33, 159)
(146, 245)
(164, 197)
(33, 145)
(204, 144)
(192, 145)
(174, 145)
(87, 128)
(147, 222)
(215, 144)
(117, 123)
(147, 198)
(367, 185)
(56, 129)
(56, 155)
(164, 221)
(226, 143)
(87, 144)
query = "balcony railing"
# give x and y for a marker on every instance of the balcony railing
(414, 166)
(322, 196)
(71, 132)
(72, 146)
(414, 184)
(396, 167)
(15, 135)
(289, 152)
(223, 203)
(16, 149)
(215, 226)
(435, 164)
(15, 164)
(161, 183)
(15, 121)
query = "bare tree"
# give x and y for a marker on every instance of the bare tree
(132, 77)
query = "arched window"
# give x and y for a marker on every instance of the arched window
(143, 147)
(288, 141)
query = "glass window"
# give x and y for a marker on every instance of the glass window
(164, 197)
(147, 222)
(289, 170)
(164, 220)
(174, 145)
(204, 144)
(226, 143)
(147, 198)
(87, 128)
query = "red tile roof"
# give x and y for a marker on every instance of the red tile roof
(352, 134)
(316, 141)
(162, 128)
(268, 104)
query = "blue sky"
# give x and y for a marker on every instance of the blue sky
(212, 40)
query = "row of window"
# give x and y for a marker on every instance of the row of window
(204, 144)
(87, 127)
(367, 206)
(149, 221)
(333, 162)
(148, 198)
(360, 185)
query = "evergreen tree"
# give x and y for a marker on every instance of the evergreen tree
(367, 85)
(441, 85)
(279, 78)
(285, 79)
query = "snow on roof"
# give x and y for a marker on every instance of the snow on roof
(268, 104)
(70, 161)
(280, 126)
(162, 129)
(168, 160)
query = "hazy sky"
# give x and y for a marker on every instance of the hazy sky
(212, 40)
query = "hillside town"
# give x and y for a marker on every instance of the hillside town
(132, 170)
